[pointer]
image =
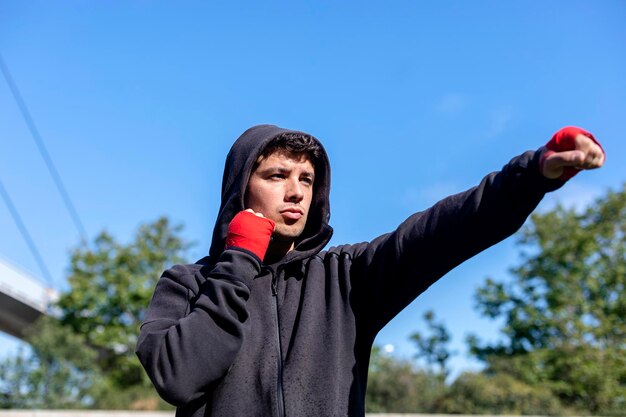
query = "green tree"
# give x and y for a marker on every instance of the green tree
(56, 372)
(564, 309)
(481, 393)
(85, 357)
(110, 286)
(396, 386)
(434, 348)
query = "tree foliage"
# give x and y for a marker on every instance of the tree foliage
(396, 385)
(110, 288)
(480, 393)
(57, 372)
(85, 357)
(434, 348)
(564, 309)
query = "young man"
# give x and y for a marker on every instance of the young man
(269, 324)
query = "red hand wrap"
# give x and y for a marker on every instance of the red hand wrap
(251, 232)
(564, 140)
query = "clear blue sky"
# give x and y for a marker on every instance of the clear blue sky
(139, 102)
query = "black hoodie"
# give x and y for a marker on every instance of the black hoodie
(231, 336)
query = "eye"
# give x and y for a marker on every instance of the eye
(277, 176)
(307, 180)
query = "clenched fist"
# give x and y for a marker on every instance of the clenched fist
(251, 231)
(571, 150)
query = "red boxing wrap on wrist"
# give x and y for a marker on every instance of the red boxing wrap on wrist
(564, 140)
(251, 232)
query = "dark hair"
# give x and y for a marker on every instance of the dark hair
(293, 143)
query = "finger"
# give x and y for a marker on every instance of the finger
(593, 161)
(555, 164)
(597, 156)
(564, 159)
(594, 155)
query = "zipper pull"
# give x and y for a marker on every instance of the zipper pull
(275, 277)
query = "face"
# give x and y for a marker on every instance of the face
(281, 188)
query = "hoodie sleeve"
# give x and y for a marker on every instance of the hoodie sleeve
(393, 269)
(193, 333)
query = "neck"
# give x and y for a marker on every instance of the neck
(277, 250)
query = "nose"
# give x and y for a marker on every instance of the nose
(294, 192)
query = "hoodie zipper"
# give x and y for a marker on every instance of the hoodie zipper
(279, 383)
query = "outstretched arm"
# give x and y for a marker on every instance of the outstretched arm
(392, 270)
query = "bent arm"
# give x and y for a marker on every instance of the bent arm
(395, 268)
(192, 333)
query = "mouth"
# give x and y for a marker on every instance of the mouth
(292, 213)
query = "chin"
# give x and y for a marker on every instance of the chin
(288, 235)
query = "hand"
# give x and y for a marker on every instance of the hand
(569, 151)
(251, 231)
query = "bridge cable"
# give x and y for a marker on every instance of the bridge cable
(26, 235)
(42, 149)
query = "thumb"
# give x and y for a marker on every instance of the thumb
(554, 163)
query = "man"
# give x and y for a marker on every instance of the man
(269, 324)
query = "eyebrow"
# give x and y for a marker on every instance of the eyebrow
(281, 170)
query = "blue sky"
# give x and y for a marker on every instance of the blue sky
(139, 102)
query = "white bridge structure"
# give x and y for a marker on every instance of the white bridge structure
(23, 299)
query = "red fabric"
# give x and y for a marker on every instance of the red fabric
(564, 140)
(251, 232)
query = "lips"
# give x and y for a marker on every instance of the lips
(292, 213)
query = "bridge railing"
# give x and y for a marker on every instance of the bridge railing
(22, 299)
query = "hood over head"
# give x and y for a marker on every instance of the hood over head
(239, 163)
